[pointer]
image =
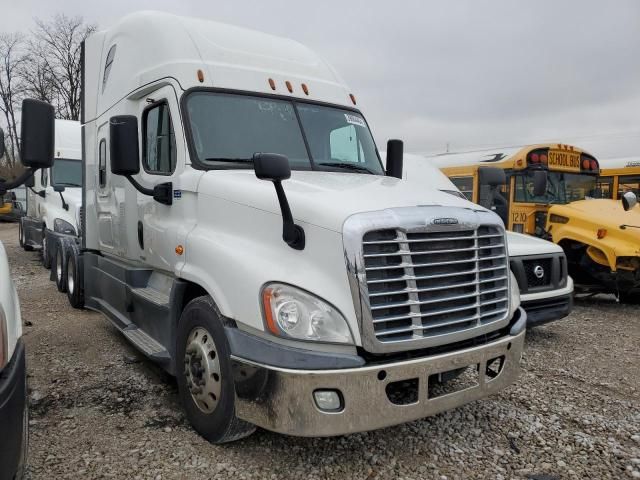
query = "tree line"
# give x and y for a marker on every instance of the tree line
(43, 64)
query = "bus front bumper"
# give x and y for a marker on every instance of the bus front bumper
(284, 400)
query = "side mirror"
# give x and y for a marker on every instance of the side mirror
(629, 200)
(1, 143)
(539, 183)
(59, 188)
(395, 153)
(124, 150)
(274, 167)
(37, 134)
(492, 176)
(271, 166)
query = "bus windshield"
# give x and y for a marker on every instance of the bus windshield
(66, 173)
(562, 188)
(227, 129)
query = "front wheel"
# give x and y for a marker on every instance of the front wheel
(46, 255)
(205, 379)
(60, 274)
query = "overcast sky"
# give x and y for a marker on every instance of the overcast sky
(465, 73)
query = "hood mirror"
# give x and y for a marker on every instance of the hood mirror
(492, 176)
(540, 180)
(629, 200)
(395, 153)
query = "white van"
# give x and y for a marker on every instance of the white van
(539, 266)
(240, 230)
(55, 198)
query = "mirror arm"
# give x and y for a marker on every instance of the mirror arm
(292, 234)
(161, 193)
(65, 205)
(4, 186)
(140, 188)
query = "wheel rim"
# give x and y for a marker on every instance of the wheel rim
(59, 266)
(44, 248)
(70, 279)
(202, 370)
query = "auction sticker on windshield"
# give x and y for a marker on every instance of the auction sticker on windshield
(564, 161)
(354, 120)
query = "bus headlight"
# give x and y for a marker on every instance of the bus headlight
(61, 226)
(514, 294)
(290, 312)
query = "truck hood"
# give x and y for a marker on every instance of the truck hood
(73, 196)
(520, 245)
(326, 199)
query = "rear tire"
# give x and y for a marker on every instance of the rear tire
(21, 234)
(204, 374)
(75, 290)
(46, 255)
(60, 262)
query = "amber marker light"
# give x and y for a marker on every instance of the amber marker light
(305, 89)
(602, 232)
(267, 294)
(353, 98)
(179, 250)
(200, 76)
(289, 86)
(272, 84)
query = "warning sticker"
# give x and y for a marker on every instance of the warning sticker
(354, 120)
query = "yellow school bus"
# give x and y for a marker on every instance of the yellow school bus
(551, 191)
(617, 176)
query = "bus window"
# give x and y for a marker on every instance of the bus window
(604, 187)
(562, 188)
(465, 185)
(628, 183)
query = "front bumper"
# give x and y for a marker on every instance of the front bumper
(13, 404)
(545, 307)
(282, 400)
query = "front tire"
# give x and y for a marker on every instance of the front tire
(46, 255)
(204, 374)
(60, 262)
(75, 291)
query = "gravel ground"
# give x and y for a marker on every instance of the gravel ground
(98, 410)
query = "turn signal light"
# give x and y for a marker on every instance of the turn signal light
(179, 250)
(602, 232)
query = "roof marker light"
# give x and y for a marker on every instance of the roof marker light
(353, 98)
(289, 86)
(200, 76)
(594, 165)
(586, 164)
(535, 158)
(272, 84)
(543, 158)
(305, 89)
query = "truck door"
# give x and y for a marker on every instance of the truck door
(162, 160)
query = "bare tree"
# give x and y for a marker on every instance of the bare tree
(56, 74)
(12, 59)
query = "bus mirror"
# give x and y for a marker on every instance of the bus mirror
(539, 183)
(629, 200)
(395, 152)
(37, 134)
(492, 176)
(1, 143)
(124, 152)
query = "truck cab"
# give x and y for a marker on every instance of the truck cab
(241, 231)
(53, 201)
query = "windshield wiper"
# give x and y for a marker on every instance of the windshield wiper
(347, 166)
(230, 160)
(68, 184)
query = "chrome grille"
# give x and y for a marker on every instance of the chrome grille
(426, 284)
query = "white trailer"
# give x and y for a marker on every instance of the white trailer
(53, 202)
(336, 303)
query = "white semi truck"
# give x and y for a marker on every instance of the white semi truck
(240, 230)
(54, 198)
(539, 266)
(37, 152)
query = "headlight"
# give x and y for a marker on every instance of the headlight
(290, 312)
(60, 226)
(514, 294)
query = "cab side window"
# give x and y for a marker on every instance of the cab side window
(465, 185)
(159, 156)
(102, 163)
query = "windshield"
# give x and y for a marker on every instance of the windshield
(562, 188)
(67, 173)
(228, 129)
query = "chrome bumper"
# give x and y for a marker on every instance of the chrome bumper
(282, 400)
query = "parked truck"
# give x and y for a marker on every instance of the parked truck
(13, 374)
(53, 200)
(240, 230)
(539, 266)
